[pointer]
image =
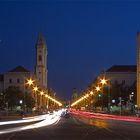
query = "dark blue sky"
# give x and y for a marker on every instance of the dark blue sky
(83, 37)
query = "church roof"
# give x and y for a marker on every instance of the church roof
(122, 68)
(41, 40)
(1, 77)
(19, 69)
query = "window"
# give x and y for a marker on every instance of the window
(10, 80)
(18, 80)
(40, 58)
(123, 82)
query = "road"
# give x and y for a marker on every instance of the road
(79, 128)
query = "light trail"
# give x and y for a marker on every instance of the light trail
(105, 116)
(48, 120)
(25, 120)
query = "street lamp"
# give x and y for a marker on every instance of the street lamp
(103, 81)
(97, 88)
(30, 82)
(35, 89)
(91, 93)
(26, 82)
(41, 93)
(131, 98)
(41, 98)
(99, 94)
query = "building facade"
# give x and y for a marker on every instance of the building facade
(41, 61)
(122, 74)
(138, 69)
(18, 76)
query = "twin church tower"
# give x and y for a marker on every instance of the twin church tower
(41, 71)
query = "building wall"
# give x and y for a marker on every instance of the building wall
(138, 69)
(128, 77)
(1, 86)
(16, 79)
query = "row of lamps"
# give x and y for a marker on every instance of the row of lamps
(96, 90)
(35, 88)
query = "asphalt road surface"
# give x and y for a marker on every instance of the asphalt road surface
(77, 128)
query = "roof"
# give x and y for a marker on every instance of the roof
(1, 77)
(19, 69)
(122, 68)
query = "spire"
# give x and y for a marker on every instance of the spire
(41, 40)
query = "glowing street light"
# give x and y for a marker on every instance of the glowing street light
(41, 93)
(86, 95)
(35, 88)
(30, 82)
(103, 81)
(97, 88)
(46, 96)
(91, 93)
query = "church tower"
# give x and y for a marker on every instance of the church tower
(41, 61)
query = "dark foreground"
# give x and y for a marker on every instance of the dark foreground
(75, 128)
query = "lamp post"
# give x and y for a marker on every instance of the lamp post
(131, 99)
(30, 83)
(104, 82)
(41, 99)
(97, 88)
(35, 89)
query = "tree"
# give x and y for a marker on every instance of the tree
(13, 95)
(30, 102)
(74, 94)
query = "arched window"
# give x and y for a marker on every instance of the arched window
(40, 58)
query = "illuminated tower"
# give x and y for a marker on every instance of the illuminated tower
(138, 69)
(41, 61)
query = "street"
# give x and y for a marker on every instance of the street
(78, 128)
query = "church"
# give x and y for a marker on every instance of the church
(17, 76)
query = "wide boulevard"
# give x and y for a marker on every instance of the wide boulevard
(71, 127)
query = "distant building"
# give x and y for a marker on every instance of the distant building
(17, 76)
(125, 74)
(41, 61)
(1, 83)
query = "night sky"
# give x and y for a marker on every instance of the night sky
(83, 37)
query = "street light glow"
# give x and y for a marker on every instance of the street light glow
(30, 82)
(98, 88)
(42, 93)
(103, 81)
(35, 88)
(82, 98)
(91, 93)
